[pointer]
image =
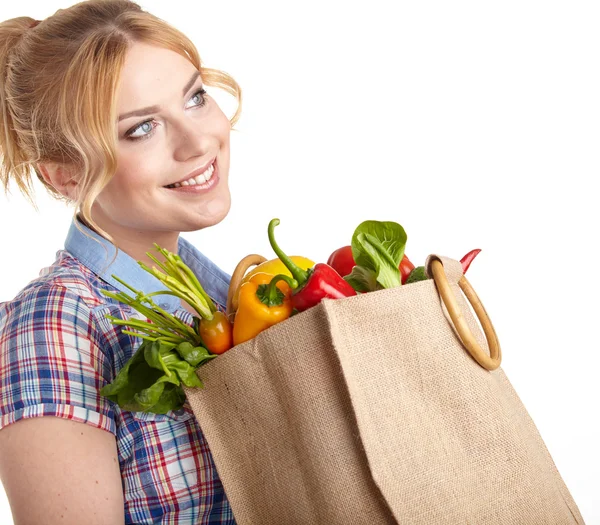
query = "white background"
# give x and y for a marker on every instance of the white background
(473, 124)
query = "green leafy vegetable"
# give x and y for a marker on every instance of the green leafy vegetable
(194, 355)
(171, 351)
(363, 280)
(377, 249)
(418, 274)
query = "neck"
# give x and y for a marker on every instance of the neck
(137, 243)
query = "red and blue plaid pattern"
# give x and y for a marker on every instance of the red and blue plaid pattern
(57, 350)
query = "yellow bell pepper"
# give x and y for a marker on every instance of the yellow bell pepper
(276, 267)
(264, 300)
(272, 267)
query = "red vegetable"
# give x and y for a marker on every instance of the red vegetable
(342, 261)
(405, 268)
(468, 259)
(314, 284)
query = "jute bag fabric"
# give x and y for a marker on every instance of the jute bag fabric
(368, 410)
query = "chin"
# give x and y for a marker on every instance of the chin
(215, 212)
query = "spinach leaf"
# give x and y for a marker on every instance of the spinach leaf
(148, 398)
(154, 356)
(151, 381)
(121, 383)
(186, 373)
(194, 355)
(172, 398)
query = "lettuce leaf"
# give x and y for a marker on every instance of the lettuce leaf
(377, 248)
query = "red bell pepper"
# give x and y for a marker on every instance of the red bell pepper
(314, 284)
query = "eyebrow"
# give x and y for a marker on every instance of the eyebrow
(156, 109)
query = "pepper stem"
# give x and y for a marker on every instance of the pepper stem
(270, 295)
(300, 275)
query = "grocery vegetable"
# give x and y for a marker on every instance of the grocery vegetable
(314, 284)
(419, 274)
(406, 266)
(276, 266)
(468, 259)
(378, 249)
(272, 267)
(171, 350)
(216, 333)
(342, 261)
(151, 380)
(264, 301)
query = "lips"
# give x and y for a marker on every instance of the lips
(186, 187)
(198, 176)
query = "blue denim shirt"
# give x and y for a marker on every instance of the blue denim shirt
(96, 253)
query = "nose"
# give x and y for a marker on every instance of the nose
(189, 140)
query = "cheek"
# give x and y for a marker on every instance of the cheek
(132, 171)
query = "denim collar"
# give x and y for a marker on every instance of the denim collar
(96, 252)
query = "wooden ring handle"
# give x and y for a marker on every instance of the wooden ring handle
(489, 362)
(236, 279)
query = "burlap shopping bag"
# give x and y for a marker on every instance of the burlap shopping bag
(370, 410)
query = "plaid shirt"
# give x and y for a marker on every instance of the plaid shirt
(57, 350)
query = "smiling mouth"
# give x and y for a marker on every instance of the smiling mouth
(198, 180)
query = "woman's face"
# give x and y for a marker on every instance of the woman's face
(172, 154)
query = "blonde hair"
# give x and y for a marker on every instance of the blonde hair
(58, 80)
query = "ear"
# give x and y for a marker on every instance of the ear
(62, 178)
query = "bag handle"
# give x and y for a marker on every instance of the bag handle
(236, 279)
(489, 362)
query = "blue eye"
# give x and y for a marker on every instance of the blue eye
(199, 98)
(145, 127)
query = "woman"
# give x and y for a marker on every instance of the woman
(105, 103)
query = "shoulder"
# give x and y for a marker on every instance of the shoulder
(54, 350)
(63, 307)
(68, 275)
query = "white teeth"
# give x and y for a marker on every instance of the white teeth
(203, 178)
(209, 172)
